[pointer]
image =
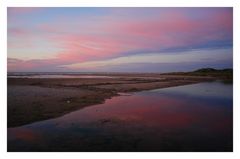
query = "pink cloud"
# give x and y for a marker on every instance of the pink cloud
(22, 10)
(177, 30)
(110, 36)
(123, 36)
(17, 31)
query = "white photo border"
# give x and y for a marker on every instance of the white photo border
(119, 3)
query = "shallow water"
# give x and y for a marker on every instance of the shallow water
(58, 76)
(194, 117)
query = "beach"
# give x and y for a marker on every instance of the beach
(36, 99)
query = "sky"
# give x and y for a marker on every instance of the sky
(118, 39)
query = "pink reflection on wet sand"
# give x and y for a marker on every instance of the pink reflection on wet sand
(152, 111)
(23, 134)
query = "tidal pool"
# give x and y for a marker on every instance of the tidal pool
(197, 117)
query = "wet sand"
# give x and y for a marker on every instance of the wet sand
(36, 99)
(189, 118)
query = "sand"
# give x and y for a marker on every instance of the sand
(31, 100)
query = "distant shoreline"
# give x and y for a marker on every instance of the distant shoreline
(36, 99)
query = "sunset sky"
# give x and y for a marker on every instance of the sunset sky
(119, 39)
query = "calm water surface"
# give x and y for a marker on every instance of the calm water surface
(58, 76)
(194, 117)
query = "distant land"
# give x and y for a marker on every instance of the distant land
(224, 74)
